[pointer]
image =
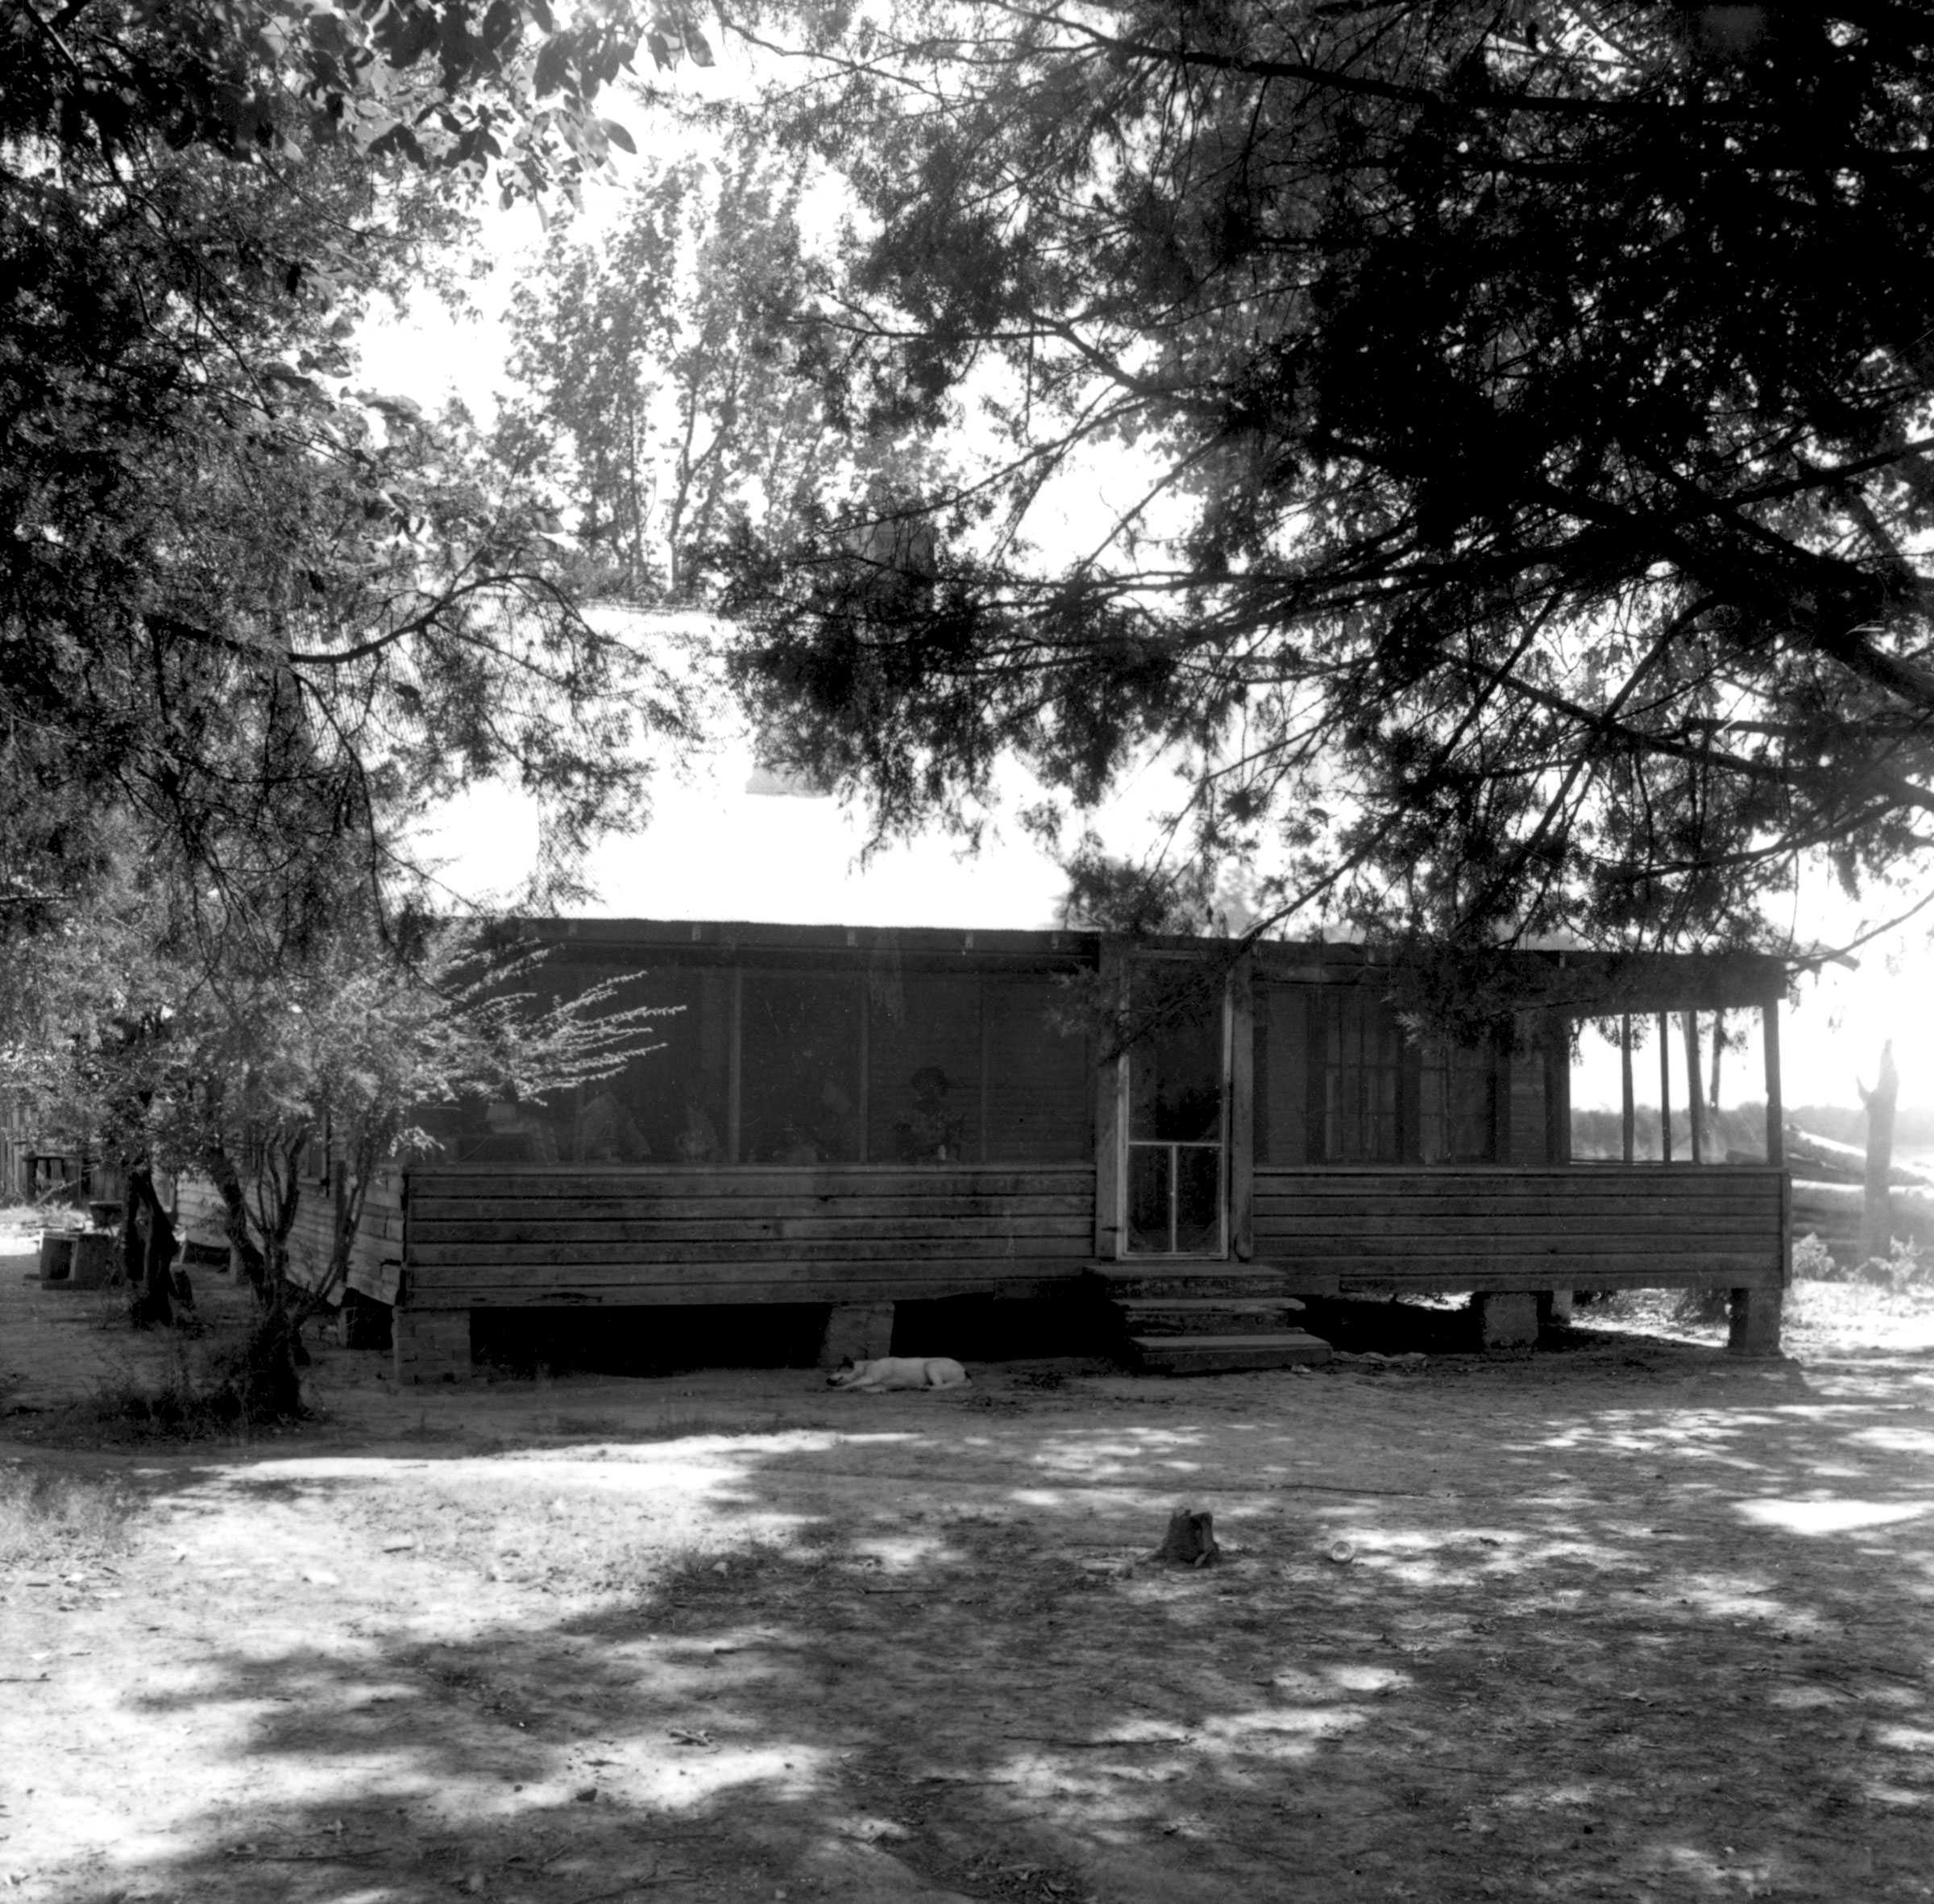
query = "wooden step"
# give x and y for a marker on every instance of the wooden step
(1217, 1355)
(1136, 1282)
(1207, 1315)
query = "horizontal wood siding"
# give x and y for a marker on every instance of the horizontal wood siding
(517, 1236)
(1379, 1231)
(375, 1258)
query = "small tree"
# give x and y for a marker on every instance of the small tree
(233, 1061)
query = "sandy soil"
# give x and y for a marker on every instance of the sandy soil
(1627, 1621)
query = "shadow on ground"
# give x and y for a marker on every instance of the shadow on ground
(1616, 1626)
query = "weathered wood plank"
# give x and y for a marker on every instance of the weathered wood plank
(1554, 1243)
(1478, 1198)
(442, 1211)
(670, 1295)
(579, 1179)
(1583, 1177)
(1400, 1217)
(938, 1269)
(789, 1250)
(1755, 1275)
(831, 1226)
(1402, 1222)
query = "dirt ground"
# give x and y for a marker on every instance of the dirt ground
(1628, 1621)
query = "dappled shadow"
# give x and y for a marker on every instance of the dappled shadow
(1656, 1629)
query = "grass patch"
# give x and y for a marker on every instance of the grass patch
(204, 1384)
(45, 1519)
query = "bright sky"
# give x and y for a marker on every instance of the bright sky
(715, 850)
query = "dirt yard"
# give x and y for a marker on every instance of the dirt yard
(1625, 1621)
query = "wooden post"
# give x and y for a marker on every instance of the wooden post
(1665, 1088)
(1108, 1113)
(1241, 1152)
(980, 1150)
(734, 1036)
(862, 1115)
(1776, 1116)
(1756, 1312)
(1695, 1098)
(1558, 1090)
(1628, 1123)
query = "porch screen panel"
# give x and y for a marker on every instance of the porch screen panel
(799, 1084)
(923, 1067)
(1457, 1104)
(666, 1105)
(516, 1130)
(674, 1098)
(1039, 1103)
(1529, 1142)
(1359, 1079)
(1282, 1075)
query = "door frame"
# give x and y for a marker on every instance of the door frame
(1230, 1205)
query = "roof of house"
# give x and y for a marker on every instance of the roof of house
(1577, 981)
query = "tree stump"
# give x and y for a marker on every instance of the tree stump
(1877, 1214)
(1190, 1540)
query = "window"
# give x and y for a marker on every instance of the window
(1457, 1105)
(1337, 1082)
(1360, 1066)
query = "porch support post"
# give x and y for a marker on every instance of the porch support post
(733, 1040)
(1627, 1121)
(859, 1331)
(1108, 1112)
(430, 1345)
(1665, 1088)
(1242, 1109)
(1753, 1319)
(1755, 1313)
(1558, 1088)
(1507, 1319)
(1695, 1096)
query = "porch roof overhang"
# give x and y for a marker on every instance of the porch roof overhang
(1573, 981)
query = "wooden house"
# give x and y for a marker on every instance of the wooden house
(860, 1118)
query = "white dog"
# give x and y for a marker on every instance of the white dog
(899, 1371)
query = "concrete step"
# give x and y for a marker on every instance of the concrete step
(1217, 1355)
(1207, 1315)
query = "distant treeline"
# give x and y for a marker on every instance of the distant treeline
(1913, 1124)
(1741, 1128)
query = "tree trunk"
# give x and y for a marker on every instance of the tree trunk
(1876, 1215)
(148, 1246)
(275, 1348)
(234, 1211)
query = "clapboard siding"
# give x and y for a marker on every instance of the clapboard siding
(375, 1257)
(1374, 1231)
(632, 1233)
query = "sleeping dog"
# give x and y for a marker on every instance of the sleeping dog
(898, 1371)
